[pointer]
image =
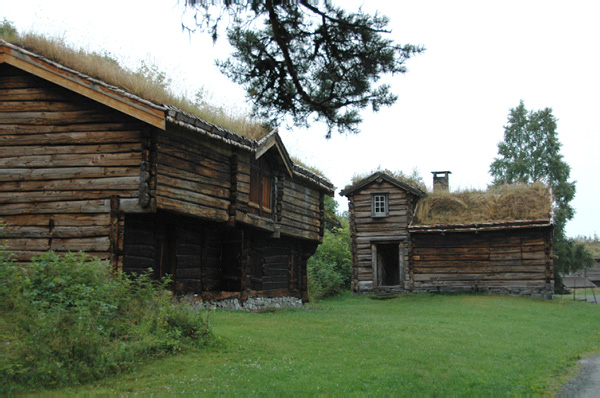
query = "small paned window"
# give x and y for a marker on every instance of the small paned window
(379, 206)
(261, 189)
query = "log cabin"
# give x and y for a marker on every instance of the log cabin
(397, 246)
(85, 165)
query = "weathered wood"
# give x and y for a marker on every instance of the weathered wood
(65, 173)
(69, 138)
(166, 203)
(72, 159)
(78, 206)
(52, 196)
(92, 184)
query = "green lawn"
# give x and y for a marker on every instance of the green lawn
(410, 345)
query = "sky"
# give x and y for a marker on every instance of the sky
(481, 59)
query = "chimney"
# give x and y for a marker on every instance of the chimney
(441, 181)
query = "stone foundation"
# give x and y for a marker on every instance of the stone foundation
(252, 304)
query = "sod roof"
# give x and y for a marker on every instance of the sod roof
(499, 204)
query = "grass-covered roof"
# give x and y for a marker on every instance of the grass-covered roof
(503, 203)
(147, 82)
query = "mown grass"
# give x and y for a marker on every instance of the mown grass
(410, 345)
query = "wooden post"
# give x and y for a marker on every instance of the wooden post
(233, 190)
(114, 232)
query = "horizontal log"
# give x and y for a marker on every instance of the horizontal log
(137, 264)
(304, 209)
(193, 186)
(392, 229)
(17, 231)
(80, 206)
(12, 80)
(364, 239)
(459, 269)
(28, 244)
(399, 216)
(86, 244)
(26, 256)
(209, 213)
(301, 192)
(308, 221)
(299, 204)
(521, 284)
(191, 167)
(36, 150)
(297, 233)
(138, 250)
(191, 197)
(181, 137)
(53, 196)
(59, 118)
(65, 173)
(164, 170)
(186, 273)
(451, 251)
(34, 94)
(481, 277)
(188, 261)
(286, 222)
(74, 159)
(97, 137)
(74, 184)
(198, 156)
(295, 196)
(38, 106)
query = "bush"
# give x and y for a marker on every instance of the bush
(71, 319)
(330, 268)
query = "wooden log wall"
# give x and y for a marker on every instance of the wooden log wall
(278, 267)
(302, 211)
(209, 257)
(366, 229)
(62, 157)
(193, 175)
(508, 261)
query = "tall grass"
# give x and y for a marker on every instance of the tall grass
(70, 319)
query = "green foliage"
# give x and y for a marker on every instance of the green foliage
(8, 31)
(70, 319)
(531, 152)
(571, 255)
(306, 59)
(330, 268)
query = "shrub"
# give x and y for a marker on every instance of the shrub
(330, 268)
(71, 319)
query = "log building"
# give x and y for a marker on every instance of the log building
(393, 252)
(88, 166)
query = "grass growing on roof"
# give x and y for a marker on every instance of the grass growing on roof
(148, 82)
(417, 345)
(498, 203)
(413, 179)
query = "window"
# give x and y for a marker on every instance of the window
(261, 190)
(379, 206)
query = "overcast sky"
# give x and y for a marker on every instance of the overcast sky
(482, 58)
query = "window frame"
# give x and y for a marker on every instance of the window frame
(375, 204)
(262, 183)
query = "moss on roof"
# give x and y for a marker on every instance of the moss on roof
(497, 204)
(147, 82)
